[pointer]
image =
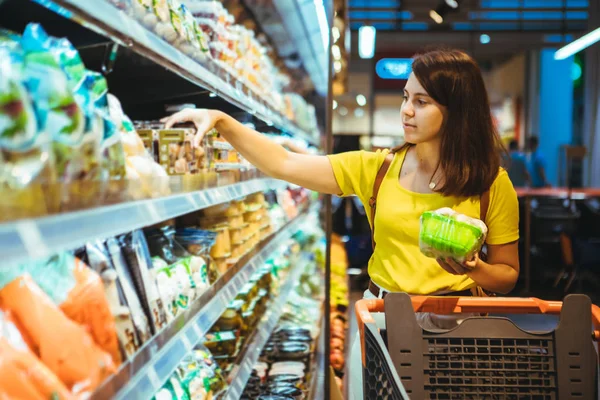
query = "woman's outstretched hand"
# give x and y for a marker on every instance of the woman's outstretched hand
(203, 119)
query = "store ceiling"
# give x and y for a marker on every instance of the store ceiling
(557, 16)
(405, 26)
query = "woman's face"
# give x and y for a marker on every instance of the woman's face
(422, 117)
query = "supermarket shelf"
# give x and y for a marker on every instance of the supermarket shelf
(317, 388)
(104, 18)
(263, 332)
(153, 364)
(33, 238)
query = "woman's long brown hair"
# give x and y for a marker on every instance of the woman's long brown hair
(470, 149)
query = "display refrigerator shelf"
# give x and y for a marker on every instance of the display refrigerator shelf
(317, 385)
(105, 19)
(27, 239)
(153, 364)
(239, 376)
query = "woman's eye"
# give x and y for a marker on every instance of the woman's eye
(405, 97)
(422, 102)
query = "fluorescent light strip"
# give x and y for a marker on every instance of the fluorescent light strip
(323, 24)
(366, 41)
(578, 45)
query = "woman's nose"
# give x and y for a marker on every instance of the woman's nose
(407, 109)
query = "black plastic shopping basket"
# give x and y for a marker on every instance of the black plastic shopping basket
(482, 358)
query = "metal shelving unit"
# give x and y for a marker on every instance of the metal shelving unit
(104, 18)
(263, 331)
(32, 238)
(144, 375)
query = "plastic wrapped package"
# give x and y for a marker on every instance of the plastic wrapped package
(66, 349)
(113, 156)
(100, 261)
(79, 293)
(140, 321)
(445, 233)
(198, 243)
(76, 149)
(180, 277)
(22, 374)
(26, 159)
(139, 262)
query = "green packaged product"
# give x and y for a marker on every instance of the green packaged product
(445, 233)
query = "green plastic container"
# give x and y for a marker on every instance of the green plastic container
(443, 236)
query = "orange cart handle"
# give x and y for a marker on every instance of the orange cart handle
(451, 305)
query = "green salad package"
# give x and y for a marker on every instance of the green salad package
(447, 234)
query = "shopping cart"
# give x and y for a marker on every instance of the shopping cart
(484, 357)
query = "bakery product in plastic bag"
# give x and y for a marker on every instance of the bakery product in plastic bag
(445, 233)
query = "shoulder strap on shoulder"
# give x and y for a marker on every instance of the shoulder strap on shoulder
(484, 204)
(373, 200)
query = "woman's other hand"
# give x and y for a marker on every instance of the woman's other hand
(203, 119)
(452, 267)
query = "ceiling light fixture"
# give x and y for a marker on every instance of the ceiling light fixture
(578, 45)
(366, 41)
(335, 104)
(452, 3)
(343, 111)
(484, 38)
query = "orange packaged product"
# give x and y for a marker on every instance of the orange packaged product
(79, 292)
(60, 343)
(22, 374)
(87, 305)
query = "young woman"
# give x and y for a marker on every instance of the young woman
(451, 159)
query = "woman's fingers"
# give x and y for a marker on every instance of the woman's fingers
(460, 269)
(446, 266)
(199, 117)
(177, 118)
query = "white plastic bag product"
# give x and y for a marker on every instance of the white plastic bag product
(446, 233)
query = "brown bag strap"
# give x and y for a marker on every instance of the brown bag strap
(484, 204)
(373, 200)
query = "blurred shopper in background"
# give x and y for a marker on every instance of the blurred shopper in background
(537, 164)
(517, 166)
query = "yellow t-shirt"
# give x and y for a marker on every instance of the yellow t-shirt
(397, 264)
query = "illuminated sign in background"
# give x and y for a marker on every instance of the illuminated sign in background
(394, 68)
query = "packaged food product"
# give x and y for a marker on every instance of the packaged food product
(222, 246)
(177, 153)
(138, 317)
(77, 290)
(445, 233)
(221, 343)
(210, 370)
(22, 374)
(146, 137)
(139, 262)
(220, 264)
(231, 319)
(172, 390)
(180, 276)
(100, 261)
(26, 159)
(113, 155)
(66, 349)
